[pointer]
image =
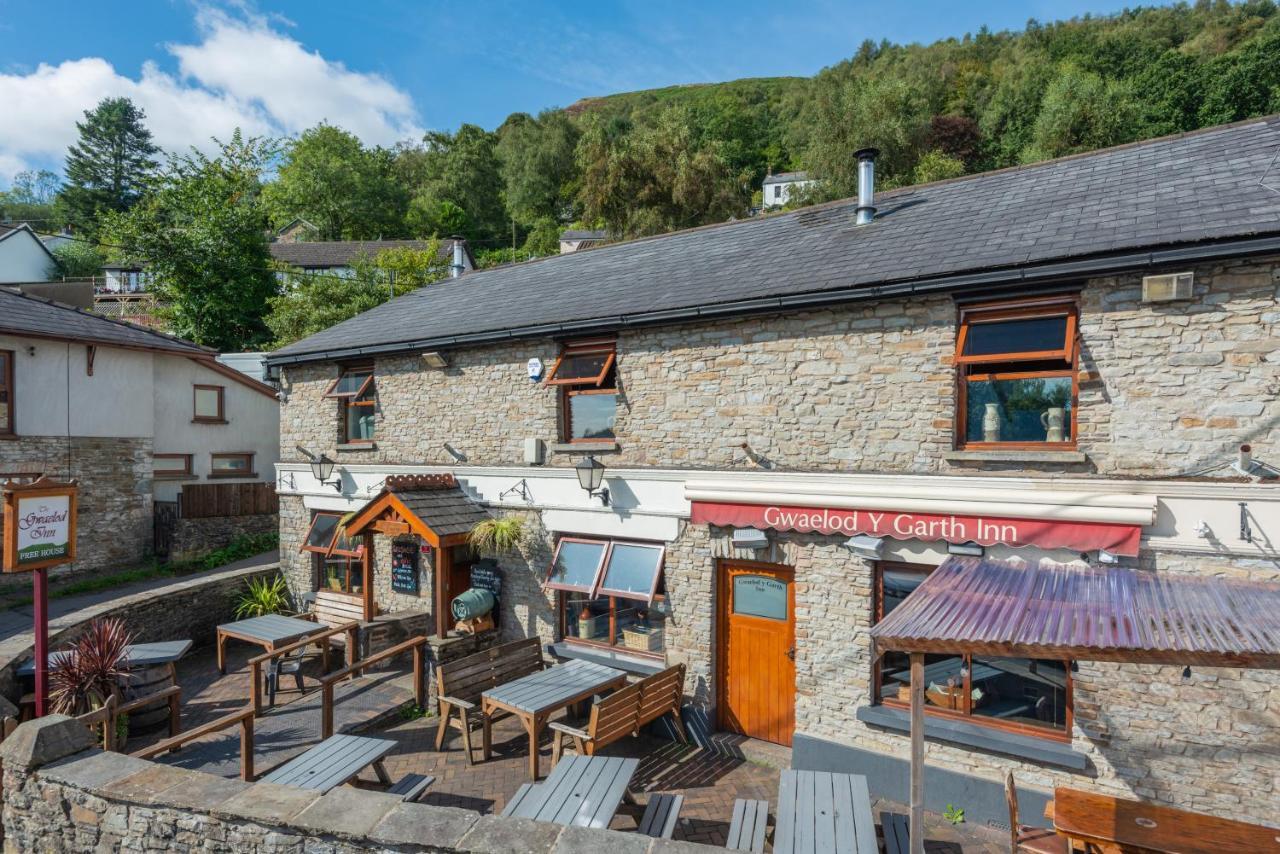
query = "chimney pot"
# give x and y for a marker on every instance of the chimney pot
(457, 267)
(866, 210)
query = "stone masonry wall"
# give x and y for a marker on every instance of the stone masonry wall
(115, 516)
(194, 537)
(866, 387)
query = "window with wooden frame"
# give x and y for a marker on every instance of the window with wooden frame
(610, 593)
(7, 421)
(209, 404)
(166, 466)
(586, 373)
(354, 391)
(231, 465)
(336, 560)
(1016, 366)
(1030, 696)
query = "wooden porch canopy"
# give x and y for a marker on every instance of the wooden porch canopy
(432, 506)
(1051, 611)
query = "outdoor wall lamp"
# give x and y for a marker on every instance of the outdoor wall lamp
(321, 468)
(591, 476)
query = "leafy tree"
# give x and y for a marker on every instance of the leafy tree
(76, 259)
(109, 167)
(309, 302)
(452, 172)
(544, 238)
(347, 191)
(202, 233)
(539, 172)
(936, 166)
(31, 199)
(1081, 112)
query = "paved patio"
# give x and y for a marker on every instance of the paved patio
(709, 778)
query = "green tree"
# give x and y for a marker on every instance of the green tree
(452, 172)
(30, 198)
(936, 166)
(202, 233)
(347, 191)
(1081, 112)
(76, 259)
(109, 167)
(538, 168)
(309, 302)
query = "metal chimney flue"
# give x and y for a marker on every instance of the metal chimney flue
(457, 267)
(866, 211)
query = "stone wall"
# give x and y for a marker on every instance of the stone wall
(194, 537)
(61, 795)
(115, 515)
(866, 387)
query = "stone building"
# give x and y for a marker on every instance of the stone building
(799, 417)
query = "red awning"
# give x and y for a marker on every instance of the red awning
(1089, 613)
(986, 531)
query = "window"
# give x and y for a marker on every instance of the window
(1017, 370)
(777, 192)
(6, 393)
(1031, 696)
(611, 593)
(171, 465)
(232, 465)
(354, 391)
(336, 560)
(587, 376)
(209, 404)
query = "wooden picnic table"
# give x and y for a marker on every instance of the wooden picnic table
(821, 811)
(136, 654)
(533, 698)
(334, 761)
(269, 632)
(1103, 824)
(582, 791)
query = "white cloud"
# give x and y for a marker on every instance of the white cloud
(243, 73)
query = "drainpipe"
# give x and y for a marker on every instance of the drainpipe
(866, 185)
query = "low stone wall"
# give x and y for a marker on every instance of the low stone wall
(62, 795)
(194, 537)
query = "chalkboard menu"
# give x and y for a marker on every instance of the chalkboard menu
(404, 568)
(486, 575)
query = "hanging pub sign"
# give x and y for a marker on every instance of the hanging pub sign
(404, 567)
(39, 525)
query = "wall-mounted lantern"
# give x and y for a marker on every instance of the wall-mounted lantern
(591, 477)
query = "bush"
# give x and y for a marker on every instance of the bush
(262, 596)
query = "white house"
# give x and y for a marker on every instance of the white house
(778, 189)
(131, 414)
(23, 257)
(577, 238)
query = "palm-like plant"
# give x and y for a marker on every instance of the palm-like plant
(91, 670)
(498, 536)
(262, 596)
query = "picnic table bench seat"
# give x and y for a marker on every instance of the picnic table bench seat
(748, 826)
(661, 814)
(622, 713)
(461, 682)
(411, 786)
(895, 827)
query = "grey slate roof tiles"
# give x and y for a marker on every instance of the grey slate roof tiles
(26, 314)
(446, 511)
(1196, 187)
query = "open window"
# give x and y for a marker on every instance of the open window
(1016, 365)
(337, 559)
(611, 593)
(354, 391)
(586, 374)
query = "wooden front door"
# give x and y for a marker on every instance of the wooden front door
(757, 667)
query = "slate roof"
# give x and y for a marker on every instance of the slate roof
(23, 314)
(1215, 184)
(584, 234)
(445, 511)
(340, 253)
(786, 177)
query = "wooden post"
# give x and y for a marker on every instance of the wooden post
(326, 709)
(440, 571)
(917, 753)
(419, 695)
(175, 715)
(255, 687)
(246, 749)
(366, 565)
(40, 595)
(353, 638)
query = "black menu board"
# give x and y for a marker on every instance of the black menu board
(404, 568)
(486, 575)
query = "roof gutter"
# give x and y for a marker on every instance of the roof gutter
(1043, 276)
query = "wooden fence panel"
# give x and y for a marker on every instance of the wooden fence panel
(201, 500)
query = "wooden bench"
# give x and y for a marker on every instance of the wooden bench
(333, 609)
(660, 816)
(460, 683)
(622, 713)
(411, 786)
(896, 828)
(748, 826)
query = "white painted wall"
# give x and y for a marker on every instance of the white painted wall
(23, 258)
(779, 194)
(252, 425)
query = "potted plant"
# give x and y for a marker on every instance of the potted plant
(262, 596)
(92, 669)
(498, 536)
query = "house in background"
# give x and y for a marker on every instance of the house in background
(296, 231)
(23, 256)
(336, 256)
(778, 189)
(123, 277)
(129, 413)
(575, 239)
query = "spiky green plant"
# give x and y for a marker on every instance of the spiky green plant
(262, 596)
(92, 669)
(498, 536)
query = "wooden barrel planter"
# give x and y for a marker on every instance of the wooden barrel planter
(140, 683)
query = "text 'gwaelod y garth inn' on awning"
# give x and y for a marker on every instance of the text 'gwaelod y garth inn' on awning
(792, 421)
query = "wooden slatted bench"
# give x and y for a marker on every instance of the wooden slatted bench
(895, 827)
(411, 786)
(748, 826)
(622, 713)
(660, 816)
(334, 609)
(460, 683)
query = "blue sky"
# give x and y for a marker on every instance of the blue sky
(387, 69)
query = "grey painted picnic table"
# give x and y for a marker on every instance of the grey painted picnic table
(269, 631)
(820, 811)
(137, 654)
(334, 761)
(533, 698)
(582, 791)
